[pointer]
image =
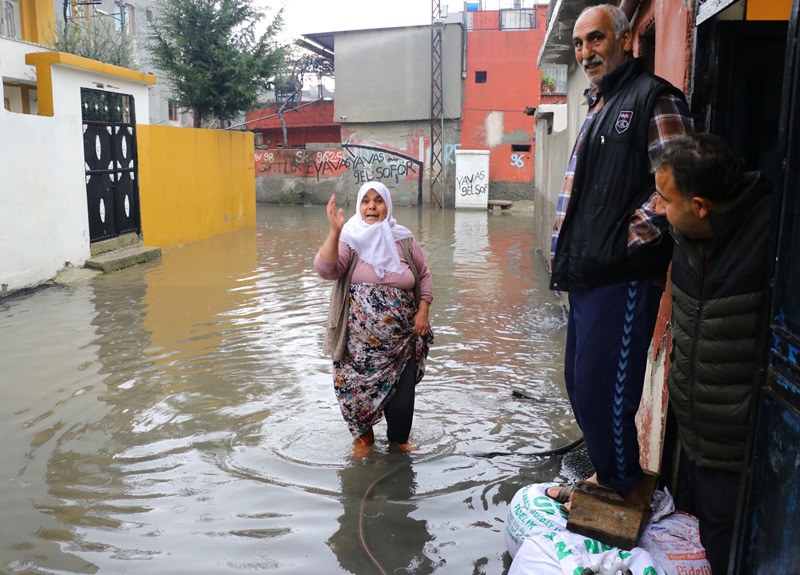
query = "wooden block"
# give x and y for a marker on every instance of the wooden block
(599, 513)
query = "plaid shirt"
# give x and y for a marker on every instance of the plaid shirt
(671, 118)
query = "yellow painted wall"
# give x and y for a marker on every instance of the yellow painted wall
(769, 9)
(194, 183)
(38, 21)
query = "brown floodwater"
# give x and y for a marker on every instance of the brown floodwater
(179, 417)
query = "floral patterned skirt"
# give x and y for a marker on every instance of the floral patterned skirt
(380, 341)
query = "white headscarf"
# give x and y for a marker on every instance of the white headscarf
(375, 243)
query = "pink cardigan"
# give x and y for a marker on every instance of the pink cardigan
(364, 273)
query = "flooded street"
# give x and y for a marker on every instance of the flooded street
(179, 418)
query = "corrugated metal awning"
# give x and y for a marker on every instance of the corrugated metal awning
(557, 46)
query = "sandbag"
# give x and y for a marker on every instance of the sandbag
(537, 538)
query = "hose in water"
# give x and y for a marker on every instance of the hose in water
(550, 452)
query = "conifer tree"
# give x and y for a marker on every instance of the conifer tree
(212, 55)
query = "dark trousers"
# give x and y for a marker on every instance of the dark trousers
(608, 335)
(399, 411)
(713, 498)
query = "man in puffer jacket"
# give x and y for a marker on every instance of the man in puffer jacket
(722, 221)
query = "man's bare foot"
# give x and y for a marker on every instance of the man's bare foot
(407, 447)
(563, 493)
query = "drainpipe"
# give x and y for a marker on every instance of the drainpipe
(629, 7)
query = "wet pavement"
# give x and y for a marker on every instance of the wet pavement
(179, 417)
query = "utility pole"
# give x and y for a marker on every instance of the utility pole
(437, 106)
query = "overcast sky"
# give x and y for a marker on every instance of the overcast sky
(308, 16)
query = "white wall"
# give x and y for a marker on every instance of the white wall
(43, 214)
(12, 59)
(553, 148)
(373, 84)
(68, 81)
(44, 224)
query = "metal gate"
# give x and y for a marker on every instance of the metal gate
(769, 537)
(109, 151)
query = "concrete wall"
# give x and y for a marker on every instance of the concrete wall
(398, 154)
(61, 76)
(43, 210)
(553, 152)
(384, 75)
(194, 183)
(552, 155)
(12, 59)
(494, 109)
(395, 153)
(673, 26)
(43, 215)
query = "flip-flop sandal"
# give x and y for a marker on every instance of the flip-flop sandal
(564, 492)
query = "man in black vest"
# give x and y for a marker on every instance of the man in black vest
(609, 249)
(723, 224)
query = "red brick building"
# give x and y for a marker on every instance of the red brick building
(306, 122)
(502, 81)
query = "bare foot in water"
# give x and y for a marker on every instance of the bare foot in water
(362, 446)
(407, 447)
(361, 449)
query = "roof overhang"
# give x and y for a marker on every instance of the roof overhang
(323, 43)
(320, 43)
(557, 45)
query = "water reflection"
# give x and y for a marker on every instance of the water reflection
(179, 417)
(378, 503)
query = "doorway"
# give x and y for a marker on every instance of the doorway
(109, 151)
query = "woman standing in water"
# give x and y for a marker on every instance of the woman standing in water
(378, 333)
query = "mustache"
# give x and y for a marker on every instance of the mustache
(594, 60)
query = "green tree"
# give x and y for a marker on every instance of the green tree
(212, 56)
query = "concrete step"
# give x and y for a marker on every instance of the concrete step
(112, 261)
(117, 243)
(500, 204)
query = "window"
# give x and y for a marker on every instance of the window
(149, 15)
(9, 19)
(172, 110)
(480, 77)
(123, 18)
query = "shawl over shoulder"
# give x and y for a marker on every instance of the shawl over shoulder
(335, 343)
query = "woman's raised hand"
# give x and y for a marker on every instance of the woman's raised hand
(330, 247)
(335, 217)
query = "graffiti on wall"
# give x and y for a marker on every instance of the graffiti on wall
(450, 153)
(473, 184)
(373, 163)
(301, 163)
(362, 162)
(376, 163)
(518, 160)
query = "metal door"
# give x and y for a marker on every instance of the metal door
(109, 151)
(769, 539)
